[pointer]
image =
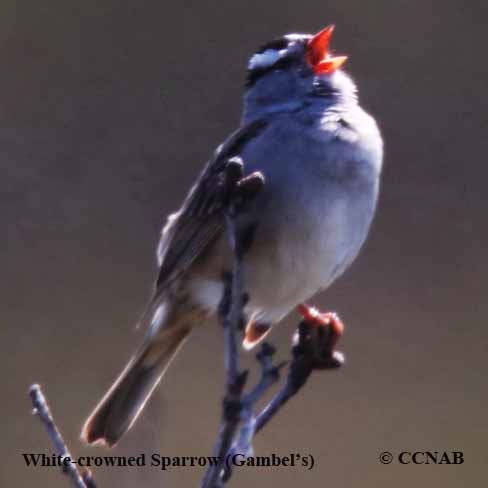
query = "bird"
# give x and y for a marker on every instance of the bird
(320, 155)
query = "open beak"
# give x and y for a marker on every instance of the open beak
(317, 51)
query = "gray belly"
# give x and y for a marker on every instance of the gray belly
(302, 245)
(313, 218)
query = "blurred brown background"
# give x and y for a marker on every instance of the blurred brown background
(108, 111)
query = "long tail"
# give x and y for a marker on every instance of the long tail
(120, 407)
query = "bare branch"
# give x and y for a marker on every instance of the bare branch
(270, 374)
(41, 410)
(313, 349)
(239, 190)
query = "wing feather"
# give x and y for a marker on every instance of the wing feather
(200, 221)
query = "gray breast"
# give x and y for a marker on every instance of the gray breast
(314, 212)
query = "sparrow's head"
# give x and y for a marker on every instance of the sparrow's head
(291, 69)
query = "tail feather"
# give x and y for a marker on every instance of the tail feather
(120, 407)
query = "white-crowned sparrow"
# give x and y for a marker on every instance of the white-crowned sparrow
(321, 156)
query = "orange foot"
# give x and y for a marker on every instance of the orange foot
(314, 317)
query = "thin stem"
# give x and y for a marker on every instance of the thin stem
(42, 411)
(274, 406)
(235, 380)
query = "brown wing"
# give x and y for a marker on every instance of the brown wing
(200, 220)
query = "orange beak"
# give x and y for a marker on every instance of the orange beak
(317, 51)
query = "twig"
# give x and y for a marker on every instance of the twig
(235, 382)
(270, 374)
(313, 349)
(237, 190)
(41, 410)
